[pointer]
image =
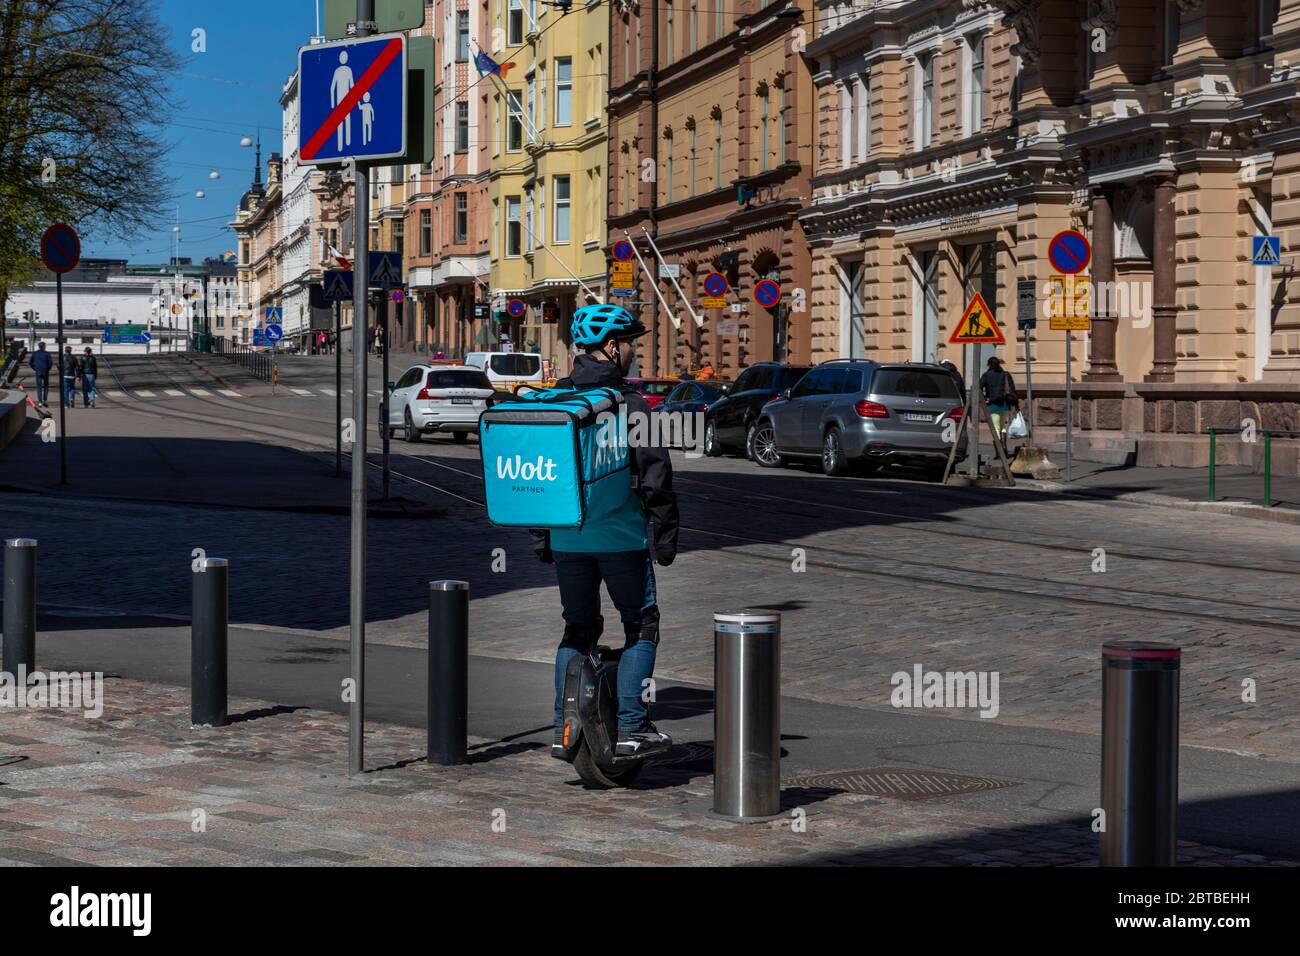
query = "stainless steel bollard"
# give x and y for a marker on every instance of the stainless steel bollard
(1139, 753)
(747, 714)
(448, 671)
(20, 606)
(208, 634)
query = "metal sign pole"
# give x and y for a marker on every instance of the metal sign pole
(357, 576)
(63, 391)
(1029, 384)
(384, 434)
(338, 389)
(1069, 413)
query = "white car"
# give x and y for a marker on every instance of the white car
(507, 370)
(434, 398)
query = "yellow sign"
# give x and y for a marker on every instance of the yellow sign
(621, 270)
(714, 302)
(977, 325)
(1069, 303)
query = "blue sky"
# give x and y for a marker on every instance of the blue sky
(220, 96)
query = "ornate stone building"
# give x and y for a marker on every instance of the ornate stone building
(710, 153)
(957, 137)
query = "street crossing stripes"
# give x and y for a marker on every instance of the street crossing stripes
(195, 391)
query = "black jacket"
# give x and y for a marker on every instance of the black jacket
(652, 469)
(69, 365)
(88, 365)
(998, 384)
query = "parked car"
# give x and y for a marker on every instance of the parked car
(506, 370)
(434, 398)
(693, 396)
(730, 421)
(858, 412)
(655, 390)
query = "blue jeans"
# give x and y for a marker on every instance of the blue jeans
(629, 577)
(69, 391)
(88, 388)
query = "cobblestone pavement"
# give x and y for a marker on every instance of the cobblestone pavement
(140, 787)
(894, 574)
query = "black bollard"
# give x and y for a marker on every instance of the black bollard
(208, 631)
(1139, 753)
(20, 606)
(448, 671)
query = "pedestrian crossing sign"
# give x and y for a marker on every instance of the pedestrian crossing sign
(977, 325)
(1266, 250)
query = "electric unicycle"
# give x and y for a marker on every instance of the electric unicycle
(590, 713)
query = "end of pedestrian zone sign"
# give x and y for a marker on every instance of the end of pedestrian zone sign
(352, 100)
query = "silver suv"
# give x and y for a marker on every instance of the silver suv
(858, 412)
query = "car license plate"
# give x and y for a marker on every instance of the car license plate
(917, 417)
(462, 401)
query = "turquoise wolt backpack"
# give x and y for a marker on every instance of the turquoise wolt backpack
(555, 458)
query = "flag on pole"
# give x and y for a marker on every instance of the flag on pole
(486, 65)
(338, 257)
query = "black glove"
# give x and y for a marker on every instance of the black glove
(542, 545)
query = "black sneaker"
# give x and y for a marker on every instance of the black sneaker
(557, 748)
(637, 743)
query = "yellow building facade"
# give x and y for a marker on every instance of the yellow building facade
(547, 183)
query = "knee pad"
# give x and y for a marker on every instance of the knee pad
(582, 636)
(645, 629)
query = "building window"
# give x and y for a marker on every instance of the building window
(462, 35)
(975, 96)
(496, 226)
(563, 91)
(462, 217)
(691, 160)
(719, 20)
(864, 116)
(426, 231)
(668, 34)
(515, 23)
(529, 219)
(668, 168)
(694, 26)
(496, 124)
(846, 123)
(530, 104)
(562, 203)
(597, 90)
(852, 308)
(1173, 29)
(926, 118)
(780, 126)
(717, 152)
(462, 126)
(597, 205)
(513, 232)
(541, 93)
(763, 119)
(514, 122)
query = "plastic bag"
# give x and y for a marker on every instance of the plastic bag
(1018, 427)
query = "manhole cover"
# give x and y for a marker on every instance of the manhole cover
(902, 783)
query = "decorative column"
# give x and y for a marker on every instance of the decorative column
(1164, 305)
(1102, 367)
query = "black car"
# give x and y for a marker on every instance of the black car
(729, 422)
(690, 401)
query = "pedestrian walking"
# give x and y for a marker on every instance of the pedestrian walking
(89, 369)
(41, 363)
(1000, 393)
(69, 369)
(956, 376)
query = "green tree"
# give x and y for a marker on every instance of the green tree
(83, 95)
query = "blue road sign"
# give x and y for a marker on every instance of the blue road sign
(259, 338)
(273, 333)
(1069, 252)
(623, 250)
(352, 99)
(385, 269)
(60, 248)
(767, 293)
(145, 337)
(1266, 250)
(338, 285)
(715, 284)
(273, 313)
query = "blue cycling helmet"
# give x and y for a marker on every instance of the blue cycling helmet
(593, 324)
